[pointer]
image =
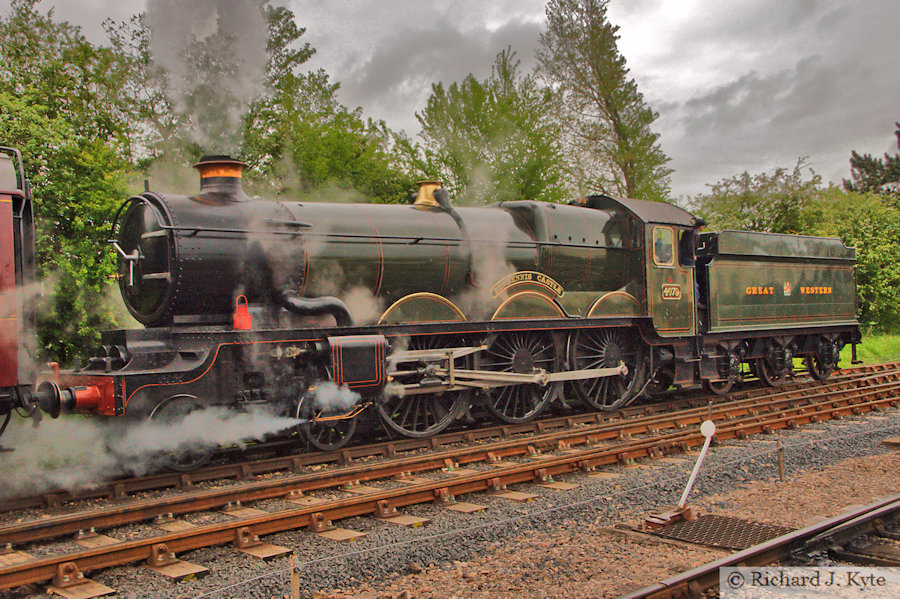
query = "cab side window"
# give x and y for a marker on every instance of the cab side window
(663, 246)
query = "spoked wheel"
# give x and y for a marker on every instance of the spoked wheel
(768, 375)
(328, 435)
(170, 413)
(819, 368)
(322, 430)
(606, 349)
(520, 352)
(718, 387)
(427, 414)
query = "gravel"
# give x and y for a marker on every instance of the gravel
(448, 549)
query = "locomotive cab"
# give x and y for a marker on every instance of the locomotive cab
(668, 284)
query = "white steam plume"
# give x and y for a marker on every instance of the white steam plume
(364, 307)
(489, 265)
(331, 399)
(76, 452)
(214, 52)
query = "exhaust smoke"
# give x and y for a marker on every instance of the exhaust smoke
(214, 55)
(77, 452)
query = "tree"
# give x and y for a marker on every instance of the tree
(298, 139)
(492, 140)
(60, 104)
(869, 174)
(607, 123)
(774, 203)
(865, 221)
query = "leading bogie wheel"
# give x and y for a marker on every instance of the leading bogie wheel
(326, 431)
(607, 348)
(169, 415)
(426, 414)
(521, 352)
(326, 434)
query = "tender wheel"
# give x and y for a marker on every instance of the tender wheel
(521, 352)
(818, 366)
(424, 415)
(718, 387)
(606, 349)
(768, 375)
(169, 413)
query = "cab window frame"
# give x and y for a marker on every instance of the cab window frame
(670, 238)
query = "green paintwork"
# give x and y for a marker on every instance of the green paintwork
(761, 281)
(609, 304)
(585, 252)
(670, 287)
(742, 243)
(528, 304)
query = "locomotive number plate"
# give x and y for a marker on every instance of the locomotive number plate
(671, 292)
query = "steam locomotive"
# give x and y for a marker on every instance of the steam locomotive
(419, 312)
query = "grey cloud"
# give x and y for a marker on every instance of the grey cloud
(88, 14)
(399, 73)
(739, 85)
(815, 80)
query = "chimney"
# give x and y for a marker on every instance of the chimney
(220, 178)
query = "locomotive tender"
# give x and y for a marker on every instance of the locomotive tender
(421, 310)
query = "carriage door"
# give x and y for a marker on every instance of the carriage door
(670, 286)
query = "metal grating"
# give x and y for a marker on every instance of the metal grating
(722, 531)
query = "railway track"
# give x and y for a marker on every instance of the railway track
(579, 446)
(835, 536)
(247, 469)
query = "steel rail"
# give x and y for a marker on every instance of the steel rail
(539, 469)
(848, 524)
(52, 527)
(118, 489)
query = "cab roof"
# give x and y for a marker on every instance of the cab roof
(646, 212)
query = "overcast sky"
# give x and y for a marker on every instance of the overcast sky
(739, 85)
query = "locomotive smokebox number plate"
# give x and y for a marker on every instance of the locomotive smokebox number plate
(722, 531)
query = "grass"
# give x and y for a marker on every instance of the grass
(874, 349)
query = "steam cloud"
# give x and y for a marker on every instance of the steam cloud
(75, 452)
(364, 307)
(489, 265)
(331, 399)
(214, 52)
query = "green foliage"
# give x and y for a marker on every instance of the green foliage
(60, 105)
(303, 142)
(869, 174)
(491, 140)
(876, 348)
(775, 203)
(873, 227)
(607, 123)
